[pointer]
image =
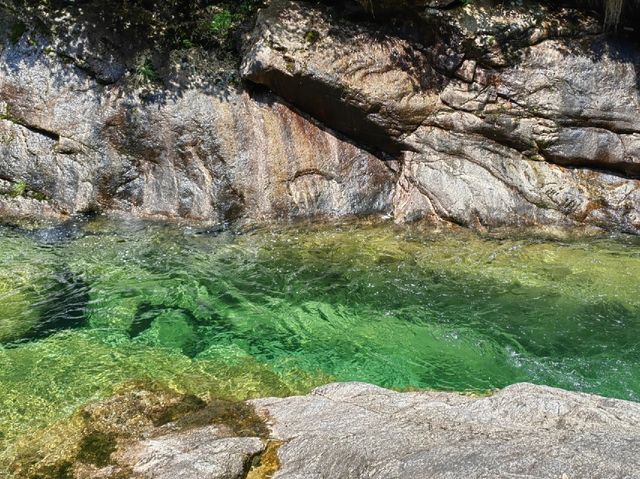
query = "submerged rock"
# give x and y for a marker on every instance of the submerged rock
(146, 432)
(17, 316)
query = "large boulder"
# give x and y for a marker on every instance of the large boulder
(356, 430)
(502, 114)
(343, 430)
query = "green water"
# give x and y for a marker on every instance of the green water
(88, 308)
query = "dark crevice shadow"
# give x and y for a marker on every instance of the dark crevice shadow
(262, 95)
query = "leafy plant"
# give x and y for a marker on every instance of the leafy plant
(147, 72)
(222, 22)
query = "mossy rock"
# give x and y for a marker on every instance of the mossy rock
(95, 434)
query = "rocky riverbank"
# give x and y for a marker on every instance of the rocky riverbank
(479, 114)
(353, 430)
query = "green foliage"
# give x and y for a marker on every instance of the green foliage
(147, 72)
(227, 18)
(222, 22)
(156, 25)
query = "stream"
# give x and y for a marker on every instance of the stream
(90, 306)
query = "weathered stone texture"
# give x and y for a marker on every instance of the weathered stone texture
(504, 115)
(481, 115)
(207, 156)
(356, 430)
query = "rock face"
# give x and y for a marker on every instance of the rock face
(204, 157)
(213, 153)
(487, 114)
(356, 430)
(511, 115)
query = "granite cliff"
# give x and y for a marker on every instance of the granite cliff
(484, 114)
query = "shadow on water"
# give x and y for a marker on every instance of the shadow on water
(54, 234)
(61, 308)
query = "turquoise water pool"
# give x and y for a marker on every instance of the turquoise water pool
(89, 306)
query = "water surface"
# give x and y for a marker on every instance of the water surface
(91, 306)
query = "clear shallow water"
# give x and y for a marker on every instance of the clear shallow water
(88, 308)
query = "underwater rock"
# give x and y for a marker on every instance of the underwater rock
(146, 432)
(63, 307)
(172, 329)
(37, 303)
(36, 310)
(17, 315)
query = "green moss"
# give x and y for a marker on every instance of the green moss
(18, 189)
(311, 36)
(96, 448)
(38, 196)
